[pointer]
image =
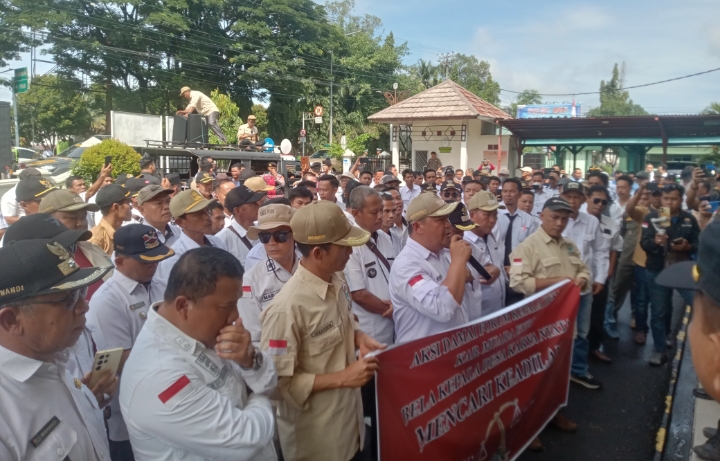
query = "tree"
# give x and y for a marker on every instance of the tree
(52, 110)
(124, 160)
(614, 101)
(229, 119)
(475, 77)
(712, 109)
(427, 73)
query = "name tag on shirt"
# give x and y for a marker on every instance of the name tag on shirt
(45, 432)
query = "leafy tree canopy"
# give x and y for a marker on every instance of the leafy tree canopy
(614, 100)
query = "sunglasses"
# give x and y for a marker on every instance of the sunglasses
(68, 301)
(279, 236)
(600, 200)
(450, 194)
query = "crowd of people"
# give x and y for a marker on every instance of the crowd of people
(247, 307)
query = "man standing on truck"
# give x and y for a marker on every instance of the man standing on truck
(203, 105)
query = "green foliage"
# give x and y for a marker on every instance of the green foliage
(260, 113)
(614, 101)
(124, 160)
(357, 145)
(475, 77)
(712, 109)
(52, 110)
(229, 119)
(524, 98)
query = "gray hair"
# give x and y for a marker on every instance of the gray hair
(359, 195)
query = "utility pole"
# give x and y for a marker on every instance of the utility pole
(445, 58)
(331, 95)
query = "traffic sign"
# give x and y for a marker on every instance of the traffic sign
(318, 120)
(21, 80)
(302, 133)
(319, 111)
(301, 139)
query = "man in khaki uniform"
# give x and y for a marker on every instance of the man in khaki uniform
(116, 208)
(309, 331)
(248, 133)
(543, 259)
(203, 105)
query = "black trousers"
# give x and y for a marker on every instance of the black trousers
(369, 409)
(512, 296)
(121, 451)
(597, 319)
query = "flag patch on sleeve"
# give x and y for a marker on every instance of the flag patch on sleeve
(645, 225)
(416, 279)
(176, 392)
(247, 292)
(277, 347)
(517, 262)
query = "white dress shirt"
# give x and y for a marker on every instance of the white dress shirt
(611, 232)
(260, 285)
(181, 402)
(3, 223)
(42, 404)
(422, 305)
(117, 313)
(523, 226)
(585, 233)
(542, 196)
(169, 235)
(399, 236)
(613, 211)
(493, 296)
(472, 297)
(408, 194)
(338, 202)
(259, 255)
(365, 271)
(9, 206)
(181, 246)
(233, 243)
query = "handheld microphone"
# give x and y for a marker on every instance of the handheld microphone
(478, 267)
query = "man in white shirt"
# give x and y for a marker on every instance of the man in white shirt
(244, 204)
(327, 188)
(426, 295)
(483, 208)
(154, 206)
(9, 206)
(190, 211)
(184, 390)
(512, 228)
(399, 232)
(223, 188)
(368, 270)
(119, 308)
(410, 190)
(264, 280)
(542, 192)
(47, 414)
(204, 106)
(584, 231)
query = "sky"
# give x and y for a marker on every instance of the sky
(557, 46)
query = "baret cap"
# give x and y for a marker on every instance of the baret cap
(140, 242)
(324, 222)
(270, 217)
(64, 200)
(484, 200)
(428, 205)
(188, 201)
(112, 193)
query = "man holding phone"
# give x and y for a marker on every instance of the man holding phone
(669, 236)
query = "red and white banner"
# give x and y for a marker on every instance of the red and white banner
(482, 391)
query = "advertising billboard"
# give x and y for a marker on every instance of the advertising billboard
(563, 110)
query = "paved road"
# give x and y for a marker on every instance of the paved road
(620, 421)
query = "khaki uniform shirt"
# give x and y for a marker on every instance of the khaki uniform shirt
(308, 329)
(245, 130)
(202, 104)
(102, 236)
(543, 257)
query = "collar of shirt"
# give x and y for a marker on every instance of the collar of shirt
(420, 250)
(318, 285)
(126, 283)
(109, 230)
(271, 264)
(18, 367)
(241, 230)
(169, 332)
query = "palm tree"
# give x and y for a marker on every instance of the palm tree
(712, 109)
(426, 72)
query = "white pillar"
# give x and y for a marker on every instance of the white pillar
(394, 147)
(463, 155)
(412, 161)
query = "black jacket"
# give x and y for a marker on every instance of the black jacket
(684, 226)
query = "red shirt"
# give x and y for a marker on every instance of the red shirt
(83, 262)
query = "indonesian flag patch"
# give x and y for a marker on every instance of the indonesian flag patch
(277, 347)
(247, 292)
(416, 279)
(645, 225)
(176, 393)
(517, 262)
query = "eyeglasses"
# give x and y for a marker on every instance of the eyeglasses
(279, 236)
(600, 200)
(450, 194)
(68, 301)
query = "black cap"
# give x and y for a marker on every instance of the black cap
(146, 161)
(110, 194)
(449, 170)
(467, 179)
(477, 173)
(140, 242)
(327, 162)
(315, 165)
(39, 267)
(122, 178)
(557, 204)
(642, 175)
(272, 165)
(449, 185)
(32, 188)
(27, 172)
(240, 196)
(246, 174)
(152, 179)
(703, 274)
(41, 226)
(135, 184)
(428, 187)
(571, 186)
(174, 179)
(460, 218)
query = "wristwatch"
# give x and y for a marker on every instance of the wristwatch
(257, 360)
